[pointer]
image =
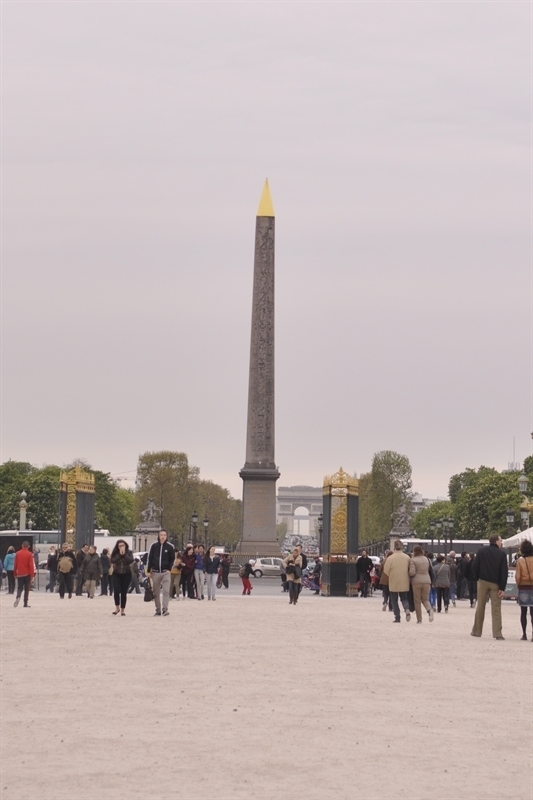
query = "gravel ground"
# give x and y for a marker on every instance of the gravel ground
(252, 698)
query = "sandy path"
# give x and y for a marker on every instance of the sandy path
(252, 698)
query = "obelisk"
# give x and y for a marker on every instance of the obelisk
(260, 473)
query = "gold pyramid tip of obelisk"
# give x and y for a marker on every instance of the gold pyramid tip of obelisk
(266, 209)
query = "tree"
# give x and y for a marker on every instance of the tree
(43, 498)
(422, 520)
(14, 479)
(482, 502)
(166, 477)
(114, 506)
(391, 483)
(178, 492)
(370, 516)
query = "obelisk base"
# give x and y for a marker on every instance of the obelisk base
(259, 511)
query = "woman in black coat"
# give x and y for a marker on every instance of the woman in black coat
(121, 561)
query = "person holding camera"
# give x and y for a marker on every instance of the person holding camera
(293, 570)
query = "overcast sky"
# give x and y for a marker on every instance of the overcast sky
(396, 137)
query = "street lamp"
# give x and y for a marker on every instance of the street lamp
(22, 506)
(320, 529)
(509, 516)
(194, 520)
(524, 508)
(206, 525)
(432, 531)
(439, 529)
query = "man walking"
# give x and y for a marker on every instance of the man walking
(24, 570)
(80, 557)
(158, 565)
(397, 568)
(490, 570)
(66, 569)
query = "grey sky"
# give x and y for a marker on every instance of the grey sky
(397, 141)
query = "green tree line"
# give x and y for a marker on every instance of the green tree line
(479, 500)
(165, 476)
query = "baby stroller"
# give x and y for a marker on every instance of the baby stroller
(307, 583)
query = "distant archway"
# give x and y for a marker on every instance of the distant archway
(300, 522)
(304, 501)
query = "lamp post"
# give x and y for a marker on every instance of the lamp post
(320, 523)
(524, 508)
(22, 514)
(432, 531)
(450, 530)
(194, 520)
(509, 516)
(206, 526)
(439, 529)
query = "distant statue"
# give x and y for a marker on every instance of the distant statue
(149, 515)
(401, 520)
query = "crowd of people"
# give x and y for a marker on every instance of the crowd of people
(420, 581)
(433, 583)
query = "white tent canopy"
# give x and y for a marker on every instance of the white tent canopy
(518, 538)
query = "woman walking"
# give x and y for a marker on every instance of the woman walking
(199, 571)
(419, 572)
(293, 571)
(121, 561)
(187, 572)
(384, 583)
(175, 577)
(524, 582)
(442, 584)
(211, 564)
(9, 566)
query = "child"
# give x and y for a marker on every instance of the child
(244, 574)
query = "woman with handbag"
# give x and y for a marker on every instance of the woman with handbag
(524, 583)
(442, 584)
(419, 572)
(293, 570)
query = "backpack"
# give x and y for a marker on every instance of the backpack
(65, 564)
(242, 572)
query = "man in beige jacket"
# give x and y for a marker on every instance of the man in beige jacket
(397, 568)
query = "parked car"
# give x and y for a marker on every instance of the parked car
(267, 566)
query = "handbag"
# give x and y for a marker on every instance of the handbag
(525, 596)
(297, 571)
(148, 593)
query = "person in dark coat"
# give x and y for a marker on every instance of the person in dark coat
(80, 555)
(364, 567)
(51, 566)
(121, 559)
(225, 563)
(187, 572)
(66, 569)
(91, 571)
(107, 582)
(211, 563)
(490, 570)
